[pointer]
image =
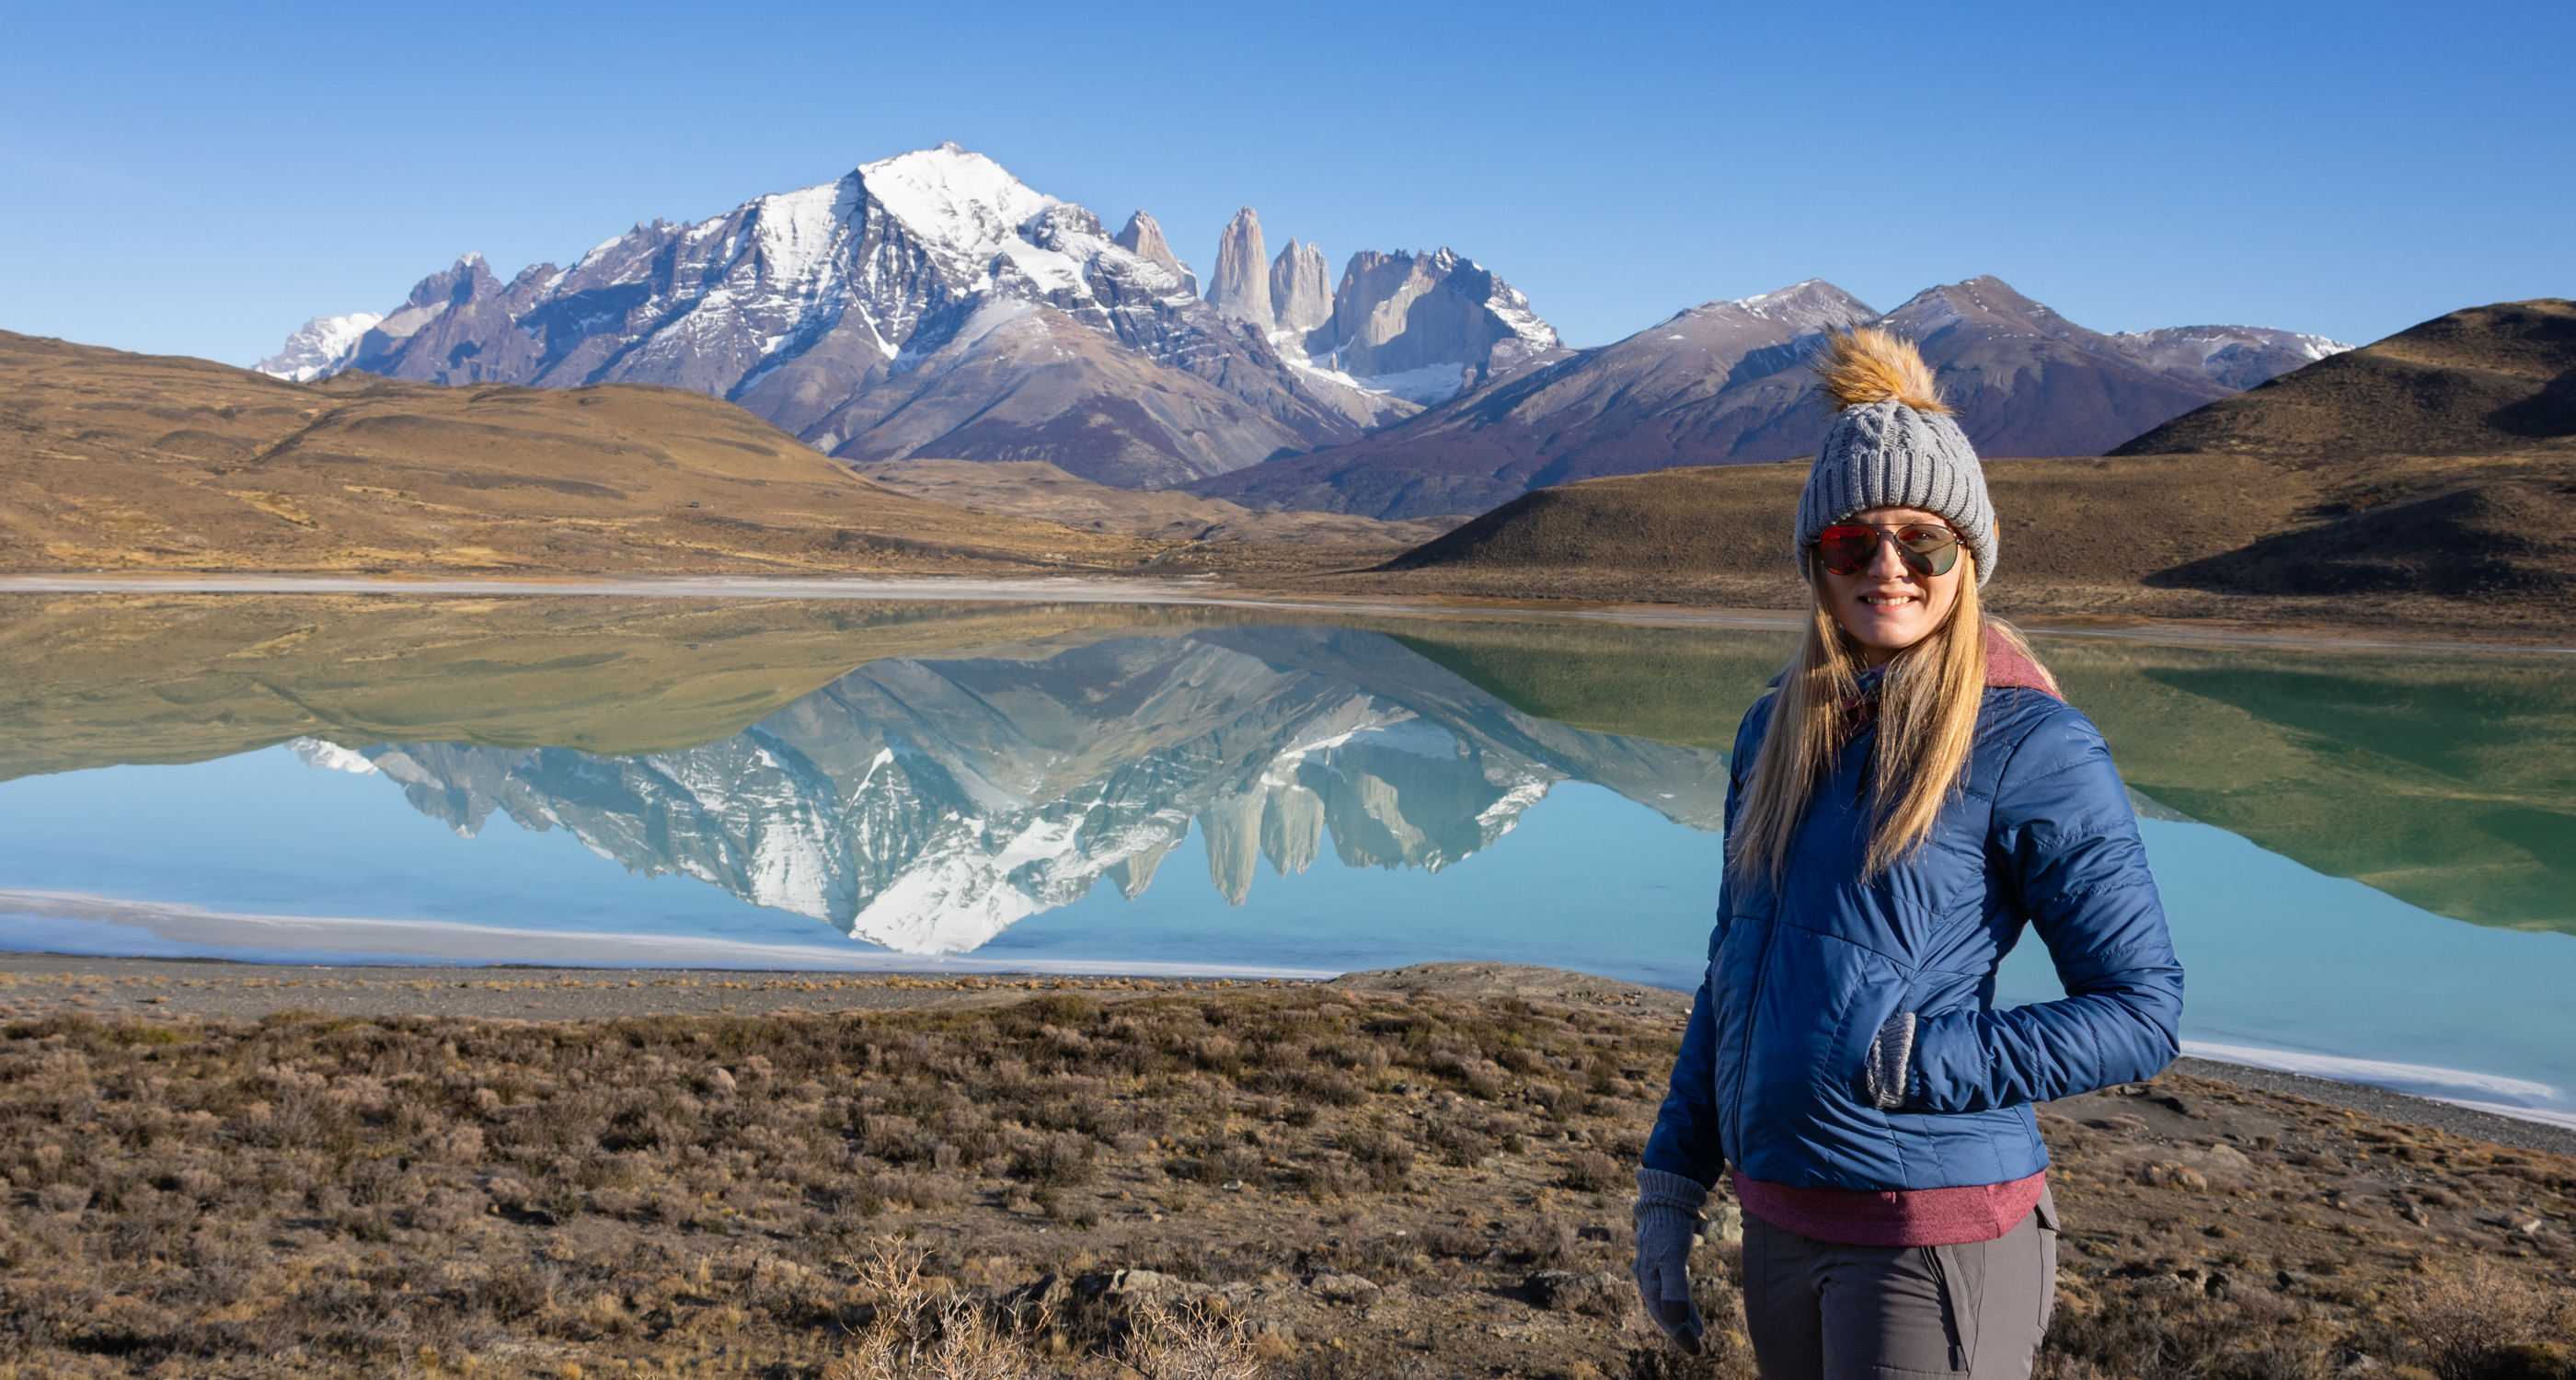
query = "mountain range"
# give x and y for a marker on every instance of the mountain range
(1726, 383)
(926, 804)
(928, 304)
(2425, 477)
(933, 305)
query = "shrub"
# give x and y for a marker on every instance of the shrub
(1056, 1159)
(1384, 1157)
(2469, 1320)
(1544, 1240)
(1593, 1172)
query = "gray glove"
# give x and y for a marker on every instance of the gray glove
(1667, 1215)
(1891, 1060)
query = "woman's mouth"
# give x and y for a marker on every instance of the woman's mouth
(1886, 600)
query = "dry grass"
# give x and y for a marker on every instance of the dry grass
(1297, 1181)
(320, 1194)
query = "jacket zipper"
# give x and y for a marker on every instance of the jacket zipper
(1762, 970)
(1752, 1017)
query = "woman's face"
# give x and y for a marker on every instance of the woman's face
(1886, 607)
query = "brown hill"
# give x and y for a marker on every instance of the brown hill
(2483, 380)
(2444, 458)
(2083, 521)
(111, 460)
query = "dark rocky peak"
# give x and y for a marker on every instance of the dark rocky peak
(1058, 225)
(470, 277)
(1812, 306)
(1983, 305)
(1143, 238)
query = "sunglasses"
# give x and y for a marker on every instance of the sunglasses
(1848, 548)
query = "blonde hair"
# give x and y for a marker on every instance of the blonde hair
(1927, 723)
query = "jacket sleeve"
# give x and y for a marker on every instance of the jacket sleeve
(2064, 831)
(1687, 1140)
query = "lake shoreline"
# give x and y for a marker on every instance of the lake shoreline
(1202, 591)
(35, 985)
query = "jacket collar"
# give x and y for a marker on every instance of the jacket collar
(2008, 669)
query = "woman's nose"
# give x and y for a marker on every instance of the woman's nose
(1886, 565)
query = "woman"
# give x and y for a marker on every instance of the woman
(1909, 794)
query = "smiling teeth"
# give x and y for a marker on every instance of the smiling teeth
(1884, 601)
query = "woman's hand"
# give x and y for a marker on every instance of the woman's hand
(1891, 1056)
(1667, 1220)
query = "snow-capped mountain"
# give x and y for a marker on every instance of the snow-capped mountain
(1724, 383)
(2233, 357)
(800, 304)
(926, 805)
(320, 347)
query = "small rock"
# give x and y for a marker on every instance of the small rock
(2353, 1362)
(1725, 1223)
(2294, 1279)
(2123, 1125)
(1600, 1293)
(1343, 1288)
(1049, 1293)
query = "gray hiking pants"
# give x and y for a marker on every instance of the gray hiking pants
(1821, 1311)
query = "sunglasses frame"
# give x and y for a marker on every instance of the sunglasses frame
(1939, 561)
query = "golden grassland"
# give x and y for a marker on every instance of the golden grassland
(115, 461)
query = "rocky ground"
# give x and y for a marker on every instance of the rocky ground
(1415, 1173)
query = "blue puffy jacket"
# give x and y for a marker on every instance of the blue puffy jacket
(1800, 977)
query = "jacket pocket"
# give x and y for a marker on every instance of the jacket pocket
(1805, 1104)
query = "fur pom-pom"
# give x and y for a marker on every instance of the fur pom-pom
(1868, 365)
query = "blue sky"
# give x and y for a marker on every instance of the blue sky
(199, 179)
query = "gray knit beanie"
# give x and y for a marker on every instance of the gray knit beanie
(1894, 446)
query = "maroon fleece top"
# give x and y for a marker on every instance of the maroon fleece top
(1921, 1216)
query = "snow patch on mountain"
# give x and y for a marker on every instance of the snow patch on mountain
(329, 756)
(320, 347)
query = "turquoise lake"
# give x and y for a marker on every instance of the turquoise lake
(2365, 855)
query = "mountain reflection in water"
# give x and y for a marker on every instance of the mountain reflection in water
(927, 804)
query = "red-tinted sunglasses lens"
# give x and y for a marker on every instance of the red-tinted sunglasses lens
(1848, 549)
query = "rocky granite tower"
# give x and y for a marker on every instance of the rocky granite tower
(1301, 288)
(1241, 288)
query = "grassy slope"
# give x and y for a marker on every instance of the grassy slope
(136, 462)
